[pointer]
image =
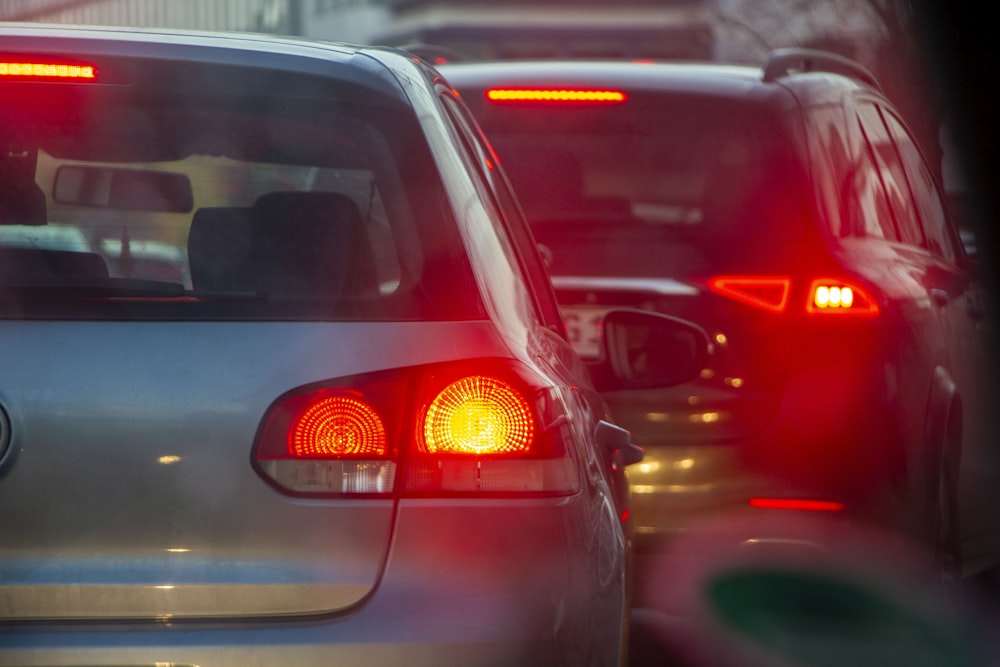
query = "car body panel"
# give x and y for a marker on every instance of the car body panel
(138, 406)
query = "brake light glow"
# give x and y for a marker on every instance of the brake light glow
(829, 296)
(802, 504)
(442, 429)
(555, 95)
(47, 70)
(766, 292)
(337, 426)
(478, 415)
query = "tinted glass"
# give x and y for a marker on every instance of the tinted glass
(658, 181)
(925, 191)
(203, 207)
(893, 177)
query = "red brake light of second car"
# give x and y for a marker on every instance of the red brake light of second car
(839, 297)
(469, 431)
(766, 292)
(555, 96)
(47, 70)
(827, 296)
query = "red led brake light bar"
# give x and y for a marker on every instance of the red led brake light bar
(802, 504)
(47, 70)
(555, 95)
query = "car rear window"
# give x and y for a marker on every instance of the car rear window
(151, 204)
(626, 189)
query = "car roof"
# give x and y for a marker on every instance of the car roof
(635, 74)
(247, 49)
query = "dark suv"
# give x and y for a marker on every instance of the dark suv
(789, 211)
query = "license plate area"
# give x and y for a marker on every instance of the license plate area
(583, 327)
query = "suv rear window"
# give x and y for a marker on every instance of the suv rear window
(625, 189)
(129, 204)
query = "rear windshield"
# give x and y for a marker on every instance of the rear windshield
(660, 180)
(151, 205)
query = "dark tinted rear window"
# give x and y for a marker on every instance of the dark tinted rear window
(660, 180)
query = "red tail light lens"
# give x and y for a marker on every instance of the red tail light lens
(765, 292)
(839, 297)
(555, 96)
(801, 504)
(337, 426)
(441, 429)
(478, 415)
(47, 70)
(771, 293)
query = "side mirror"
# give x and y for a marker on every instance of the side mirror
(646, 350)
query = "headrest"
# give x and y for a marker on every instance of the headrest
(289, 245)
(219, 253)
(313, 244)
(24, 205)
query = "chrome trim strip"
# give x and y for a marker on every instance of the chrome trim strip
(665, 286)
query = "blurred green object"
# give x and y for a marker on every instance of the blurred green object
(819, 619)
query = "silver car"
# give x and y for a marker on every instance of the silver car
(338, 420)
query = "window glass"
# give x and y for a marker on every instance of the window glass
(937, 231)
(206, 207)
(659, 181)
(893, 176)
(830, 158)
(866, 209)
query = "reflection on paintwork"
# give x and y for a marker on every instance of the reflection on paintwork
(721, 339)
(168, 460)
(645, 489)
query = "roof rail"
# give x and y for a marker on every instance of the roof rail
(435, 54)
(782, 62)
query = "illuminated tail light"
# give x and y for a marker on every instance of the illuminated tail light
(427, 431)
(800, 504)
(555, 96)
(766, 292)
(771, 293)
(838, 297)
(44, 70)
(478, 415)
(337, 426)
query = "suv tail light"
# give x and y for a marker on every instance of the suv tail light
(767, 292)
(839, 297)
(430, 430)
(826, 296)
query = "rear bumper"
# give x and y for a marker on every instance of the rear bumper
(485, 584)
(835, 435)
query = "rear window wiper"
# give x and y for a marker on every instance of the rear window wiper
(94, 289)
(119, 288)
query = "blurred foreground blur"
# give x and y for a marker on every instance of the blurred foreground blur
(782, 589)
